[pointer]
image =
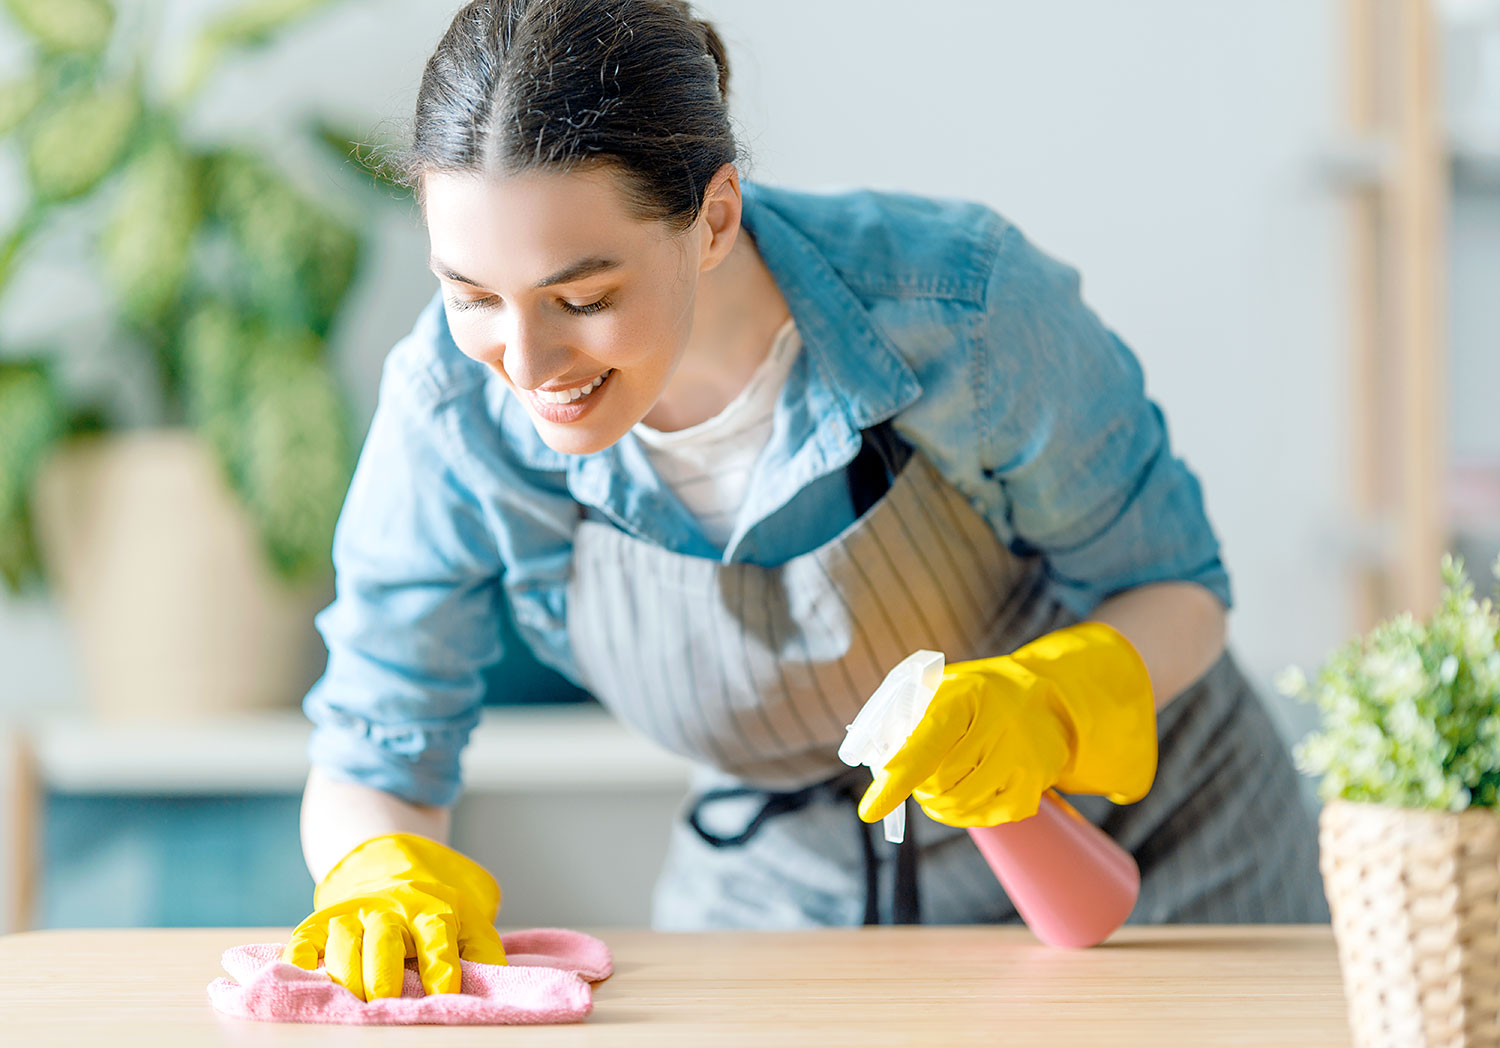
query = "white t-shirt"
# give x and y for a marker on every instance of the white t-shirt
(708, 466)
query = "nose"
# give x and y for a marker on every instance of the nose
(530, 356)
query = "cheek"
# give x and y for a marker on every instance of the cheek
(471, 335)
(643, 340)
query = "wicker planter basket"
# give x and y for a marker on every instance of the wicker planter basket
(1415, 897)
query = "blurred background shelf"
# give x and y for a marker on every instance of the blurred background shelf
(1418, 163)
(183, 823)
(577, 747)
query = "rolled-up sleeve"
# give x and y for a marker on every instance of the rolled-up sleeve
(1079, 457)
(414, 620)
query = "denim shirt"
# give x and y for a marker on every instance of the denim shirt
(935, 317)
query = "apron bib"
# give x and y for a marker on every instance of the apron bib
(754, 673)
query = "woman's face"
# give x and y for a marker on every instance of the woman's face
(583, 309)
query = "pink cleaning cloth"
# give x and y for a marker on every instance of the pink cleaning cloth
(547, 981)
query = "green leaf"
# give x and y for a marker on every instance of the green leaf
(1409, 712)
(251, 25)
(297, 260)
(16, 240)
(65, 25)
(18, 99)
(31, 421)
(215, 343)
(79, 141)
(148, 237)
(295, 456)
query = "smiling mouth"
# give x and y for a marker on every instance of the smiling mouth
(568, 396)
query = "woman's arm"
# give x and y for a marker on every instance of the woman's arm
(337, 815)
(1177, 627)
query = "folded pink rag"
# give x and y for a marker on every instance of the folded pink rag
(546, 981)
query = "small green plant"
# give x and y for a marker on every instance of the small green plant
(1410, 714)
(224, 275)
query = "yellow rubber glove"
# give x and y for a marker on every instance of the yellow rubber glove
(394, 897)
(1073, 709)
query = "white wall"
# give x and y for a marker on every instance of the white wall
(1161, 146)
(1164, 148)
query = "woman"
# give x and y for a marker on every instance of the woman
(730, 453)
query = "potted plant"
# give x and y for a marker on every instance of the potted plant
(1409, 836)
(190, 553)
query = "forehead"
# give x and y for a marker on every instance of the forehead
(523, 224)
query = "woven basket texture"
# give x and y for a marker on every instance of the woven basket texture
(1415, 897)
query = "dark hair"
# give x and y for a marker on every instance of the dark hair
(518, 85)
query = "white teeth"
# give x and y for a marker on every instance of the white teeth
(567, 396)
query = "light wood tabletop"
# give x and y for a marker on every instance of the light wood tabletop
(864, 987)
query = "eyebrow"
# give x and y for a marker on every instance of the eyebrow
(584, 267)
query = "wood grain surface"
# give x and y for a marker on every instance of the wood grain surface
(865, 987)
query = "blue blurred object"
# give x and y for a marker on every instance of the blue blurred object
(111, 862)
(518, 679)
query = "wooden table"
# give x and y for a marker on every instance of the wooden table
(864, 987)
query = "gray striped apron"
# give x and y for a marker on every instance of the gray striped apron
(754, 672)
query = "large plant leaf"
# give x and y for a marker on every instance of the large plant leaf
(298, 260)
(215, 344)
(65, 25)
(146, 243)
(18, 98)
(15, 241)
(31, 421)
(250, 25)
(80, 140)
(295, 456)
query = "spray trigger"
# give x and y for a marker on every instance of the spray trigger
(887, 720)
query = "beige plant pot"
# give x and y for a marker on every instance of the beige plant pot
(1415, 897)
(173, 607)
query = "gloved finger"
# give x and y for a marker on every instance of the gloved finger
(981, 785)
(481, 943)
(308, 939)
(970, 806)
(384, 964)
(436, 935)
(343, 955)
(924, 751)
(966, 768)
(1019, 799)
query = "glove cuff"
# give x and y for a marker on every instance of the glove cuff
(372, 865)
(1103, 689)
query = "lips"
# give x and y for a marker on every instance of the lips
(568, 396)
(569, 405)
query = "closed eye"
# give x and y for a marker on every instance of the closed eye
(587, 308)
(461, 304)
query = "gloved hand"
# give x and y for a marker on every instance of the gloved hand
(398, 896)
(1073, 709)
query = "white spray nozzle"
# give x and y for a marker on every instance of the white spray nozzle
(888, 719)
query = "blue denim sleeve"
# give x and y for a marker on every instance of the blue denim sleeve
(1080, 455)
(414, 619)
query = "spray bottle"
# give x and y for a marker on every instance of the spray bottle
(1069, 880)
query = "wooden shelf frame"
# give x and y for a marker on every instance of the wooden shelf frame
(1398, 214)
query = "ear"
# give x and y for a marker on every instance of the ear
(719, 221)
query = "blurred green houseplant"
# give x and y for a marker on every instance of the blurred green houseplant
(1409, 836)
(224, 272)
(1410, 714)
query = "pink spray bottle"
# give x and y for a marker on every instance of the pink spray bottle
(1069, 881)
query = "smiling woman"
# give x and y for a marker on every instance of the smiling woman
(730, 453)
(586, 311)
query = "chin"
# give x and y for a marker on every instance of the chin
(575, 440)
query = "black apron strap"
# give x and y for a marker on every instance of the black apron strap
(850, 786)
